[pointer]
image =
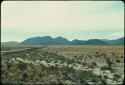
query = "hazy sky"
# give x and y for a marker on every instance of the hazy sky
(70, 19)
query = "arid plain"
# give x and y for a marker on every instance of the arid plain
(62, 64)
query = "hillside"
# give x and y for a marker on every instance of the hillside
(48, 40)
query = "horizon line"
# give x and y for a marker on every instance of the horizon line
(62, 37)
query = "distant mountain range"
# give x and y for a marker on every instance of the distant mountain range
(47, 40)
(11, 43)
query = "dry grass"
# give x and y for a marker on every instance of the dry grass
(70, 64)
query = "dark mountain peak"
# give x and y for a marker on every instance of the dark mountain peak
(38, 40)
(38, 37)
(61, 38)
(93, 39)
(75, 40)
(48, 37)
(33, 38)
(96, 42)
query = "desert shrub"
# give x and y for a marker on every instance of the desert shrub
(109, 62)
(113, 54)
(103, 54)
(75, 57)
(93, 64)
(48, 60)
(118, 61)
(83, 63)
(70, 61)
(106, 68)
(25, 76)
(117, 76)
(56, 65)
(79, 62)
(65, 76)
(121, 56)
(97, 54)
(103, 81)
(56, 61)
(52, 68)
(86, 75)
(40, 75)
(22, 66)
(8, 65)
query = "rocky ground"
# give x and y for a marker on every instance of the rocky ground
(63, 65)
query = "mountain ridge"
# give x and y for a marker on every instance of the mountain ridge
(48, 40)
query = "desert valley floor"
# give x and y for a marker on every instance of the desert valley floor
(62, 64)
